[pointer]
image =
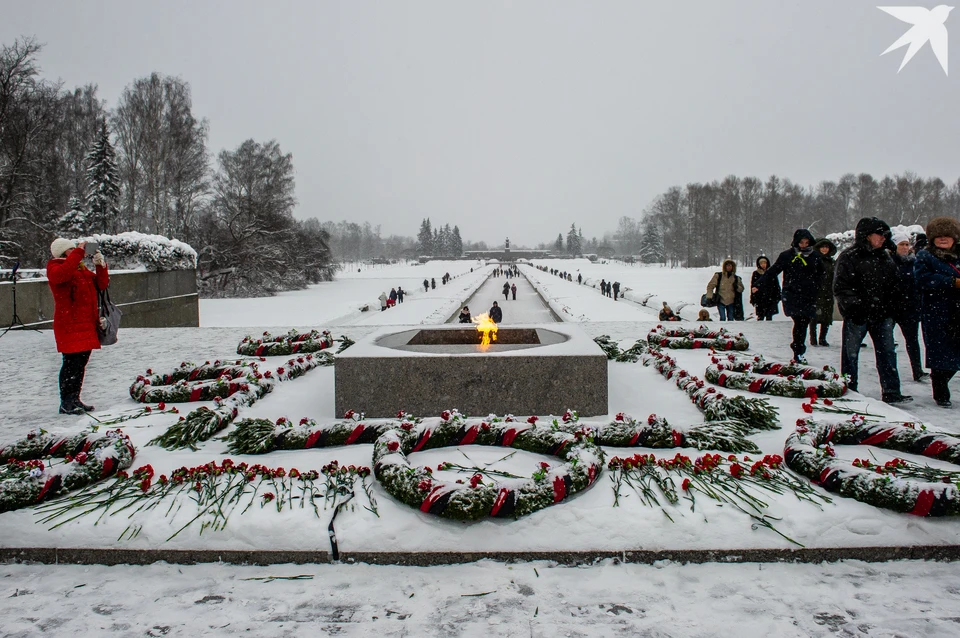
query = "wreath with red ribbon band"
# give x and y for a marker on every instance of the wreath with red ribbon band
(292, 342)
(696, 338)
(754, 374)
(894, 485)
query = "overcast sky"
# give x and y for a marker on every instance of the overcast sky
(520, 118)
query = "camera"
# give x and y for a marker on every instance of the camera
(91, 248)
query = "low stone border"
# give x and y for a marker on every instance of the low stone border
(90, 556)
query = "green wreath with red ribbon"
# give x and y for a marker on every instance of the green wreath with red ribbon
(28, 474)
(896, 484)
(754, 374)
(292, 342)
(697, 338)
(581, 462)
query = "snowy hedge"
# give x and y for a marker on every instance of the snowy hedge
(133, 251)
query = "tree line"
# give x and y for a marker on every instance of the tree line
(71, 165)
(741, 218)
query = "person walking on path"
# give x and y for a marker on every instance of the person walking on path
(506, 291)
(938, 280)
(496, 314)
(867, 287)
(825, 299)
(907, 314)
(392, 301)
(75, 315)
(433, 283)
(513, 291)
(426, 285)
(603, 287)
(727, 288)
(465, 315)
(764, 293)
(616, 290)
(383, 301)
(399, 294)
(802, 274)
(579, 278)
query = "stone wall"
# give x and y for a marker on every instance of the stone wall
(147, 300)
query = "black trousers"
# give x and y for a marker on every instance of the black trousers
(911, 335)
(800, 326)
(71, 375)
(824, 329)
(940, 379)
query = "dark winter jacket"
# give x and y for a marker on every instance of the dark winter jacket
(867, 283)
(464, 316)
(75, 314)
(825, 299)
(908, 310)
(802, 276)
(767, 298)
(936, 274)
(496, 314)
(393, 294)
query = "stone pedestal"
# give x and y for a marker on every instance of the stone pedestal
(531, 370)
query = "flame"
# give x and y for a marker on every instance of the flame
(488, 330)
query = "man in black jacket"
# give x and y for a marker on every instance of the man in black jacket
(867, 288)
(496, 314)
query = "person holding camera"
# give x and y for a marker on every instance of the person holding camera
(76, 317)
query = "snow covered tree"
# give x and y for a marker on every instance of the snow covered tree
(103, 185)
(558, 246)
(573, 241)
(74, 222)
(651, 243)
(456, 243)
(425, 237)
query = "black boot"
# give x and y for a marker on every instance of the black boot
(86, 408)
(69, 405)
(823, 335)
(813, 334)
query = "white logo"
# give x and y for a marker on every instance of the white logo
(927, 26)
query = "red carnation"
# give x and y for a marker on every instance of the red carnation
(445, 415)
(532, 420)
(685, 485)
(393, 446)
(736, 470)
(808, 408)
(161, 406)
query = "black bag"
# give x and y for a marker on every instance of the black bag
(714, 301)
(707, 302)
(109, 325)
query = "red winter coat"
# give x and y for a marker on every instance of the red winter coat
(75, 315)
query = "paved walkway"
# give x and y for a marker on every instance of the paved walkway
(527, 308)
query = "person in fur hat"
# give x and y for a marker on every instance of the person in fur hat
(727, 288)
(825, 301)
(666, 313)
(938, 281)
(75, 315)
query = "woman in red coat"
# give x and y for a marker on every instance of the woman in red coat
(76, 316)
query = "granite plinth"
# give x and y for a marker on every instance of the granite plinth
(532, 370)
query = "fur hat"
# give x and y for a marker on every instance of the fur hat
(900, 237)
(61, 246)
(943, 227)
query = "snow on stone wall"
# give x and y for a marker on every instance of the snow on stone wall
(137, 251)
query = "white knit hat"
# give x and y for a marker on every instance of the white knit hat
(900, 236)
(60, 246)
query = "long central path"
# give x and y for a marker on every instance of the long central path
(527, 308)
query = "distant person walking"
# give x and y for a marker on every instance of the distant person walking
(465, 315)
(496, 314)
(802, 275)
(506, 291)
(616, 290)
(513, 291)
(433, 283)
(392, 300)
(426, 285)
(825, 298)
(938, 279)
(726, 288)
(764, 292)
(383, 301)
(579, 278)
(75, 315)
(399, 294)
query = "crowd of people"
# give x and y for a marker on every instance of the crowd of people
(881, 281)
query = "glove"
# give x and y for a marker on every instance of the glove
(98, 259)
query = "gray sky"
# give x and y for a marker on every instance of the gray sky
(519, 118)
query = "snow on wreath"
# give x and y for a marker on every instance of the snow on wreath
(137, 251)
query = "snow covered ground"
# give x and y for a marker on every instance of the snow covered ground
(484, 599)
(28, 369)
